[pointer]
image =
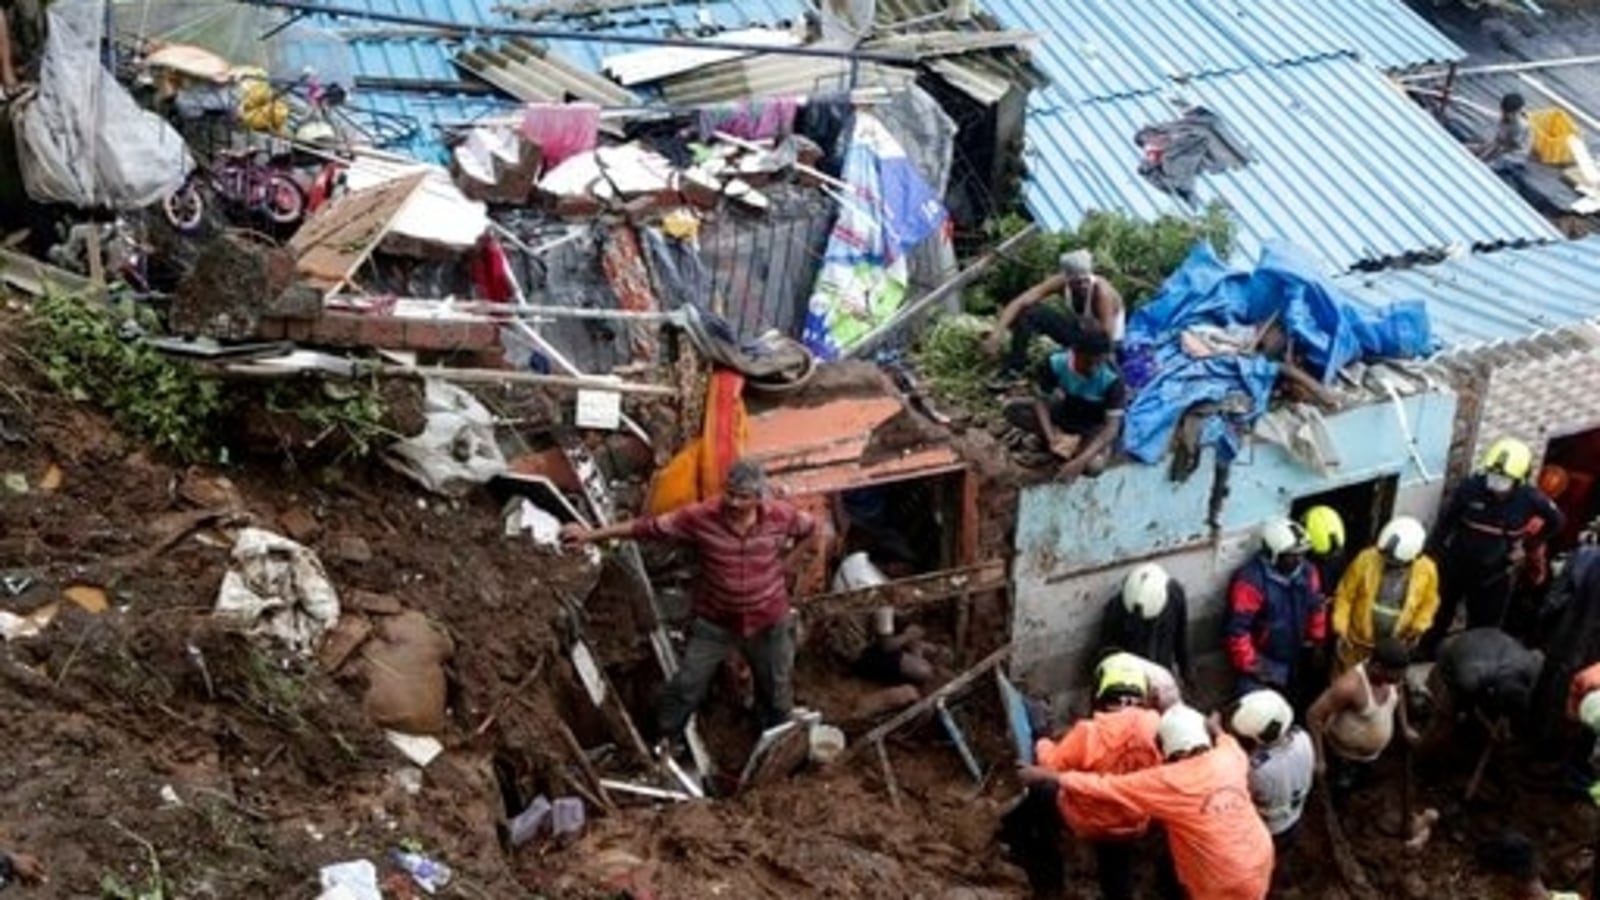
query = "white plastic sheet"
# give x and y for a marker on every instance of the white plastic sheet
(280, 587)
(81, 139)
(456, 450)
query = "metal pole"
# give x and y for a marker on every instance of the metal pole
(531, 31)
(1507, 68)
(962, 279)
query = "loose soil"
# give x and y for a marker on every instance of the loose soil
(150, 745)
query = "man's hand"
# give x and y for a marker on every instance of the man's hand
(1065, 445)
(1036, 775)
(28, 868)
(574, 534)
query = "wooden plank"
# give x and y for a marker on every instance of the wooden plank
(926, 703)
(888, 775)
(337, 240)
(908, 593)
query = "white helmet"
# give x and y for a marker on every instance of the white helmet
(1182, 729)
(1589, 711)
(1402, 539)
(1144, 591)
(1262, 716)
(1283, 535)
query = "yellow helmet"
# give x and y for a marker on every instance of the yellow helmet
(1120, 675)
(1324, 530)
(1509, 457)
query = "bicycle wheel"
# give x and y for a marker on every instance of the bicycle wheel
(184, 208)
(283, 200)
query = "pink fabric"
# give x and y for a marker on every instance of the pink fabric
(562, 130)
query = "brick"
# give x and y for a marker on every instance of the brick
(383, 331)
(337, 329)
(299, 330)
(273, 329)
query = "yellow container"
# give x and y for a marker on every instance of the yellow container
(1551, 128)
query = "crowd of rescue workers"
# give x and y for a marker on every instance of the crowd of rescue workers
(1327, 650)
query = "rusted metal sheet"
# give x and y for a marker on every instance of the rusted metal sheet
(822, 449)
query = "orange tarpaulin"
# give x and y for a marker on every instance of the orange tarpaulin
(698, 470)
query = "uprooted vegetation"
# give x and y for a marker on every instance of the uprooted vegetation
(93, 353)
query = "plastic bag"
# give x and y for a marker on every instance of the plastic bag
(81, 139)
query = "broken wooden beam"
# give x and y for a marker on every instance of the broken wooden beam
(582, 759)
(303, 363)
(888, 775)
(916, 709)
(908, 593)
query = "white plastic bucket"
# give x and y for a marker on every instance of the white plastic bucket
(827, 742)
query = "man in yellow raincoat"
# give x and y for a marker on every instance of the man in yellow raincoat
(1389, 590)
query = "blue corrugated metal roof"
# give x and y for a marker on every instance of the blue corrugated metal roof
(1489, 298)
(423, 58)
(1343, 165)
(1097, 49)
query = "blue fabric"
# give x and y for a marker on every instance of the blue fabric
(1328, 333)
(1092, 387)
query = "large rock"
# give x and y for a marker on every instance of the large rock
(235, 282)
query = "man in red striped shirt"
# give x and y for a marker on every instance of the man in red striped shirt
(741, 600)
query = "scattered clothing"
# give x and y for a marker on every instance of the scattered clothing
(1271, 616)
(562, 130)
(490, 271)
(1375, 600)
(1280, 780)
(753, 120)
(1360, 735)
(1220, 846)
(1177, 152)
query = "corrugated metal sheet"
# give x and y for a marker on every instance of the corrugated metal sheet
(528, 71)
(1491, 298)
(778, 76)
(1099, 49)
(410, 118)
(1344, 166)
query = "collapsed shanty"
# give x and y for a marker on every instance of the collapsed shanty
(477, 278)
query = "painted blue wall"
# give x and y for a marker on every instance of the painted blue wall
(1135, 511)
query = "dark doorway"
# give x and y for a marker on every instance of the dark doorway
(1364, 506)
(1571, 468)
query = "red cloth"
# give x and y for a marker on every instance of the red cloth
(1110, 743)
(743, 585)
(490, 270)
(1220, 847)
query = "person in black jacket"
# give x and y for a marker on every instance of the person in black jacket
(1149, 618)
(1480, 541)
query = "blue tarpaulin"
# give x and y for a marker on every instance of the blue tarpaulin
(1327, 331)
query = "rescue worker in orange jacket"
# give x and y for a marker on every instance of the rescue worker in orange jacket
(1119, 738)
(1201, 795)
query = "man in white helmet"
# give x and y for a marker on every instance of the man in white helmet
(1201, 795)
(1149, 618)
(1276, 614)
(1389, 590)
(1282, 762)
(1119, 737)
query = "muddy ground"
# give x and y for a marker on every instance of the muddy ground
(149, 750)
